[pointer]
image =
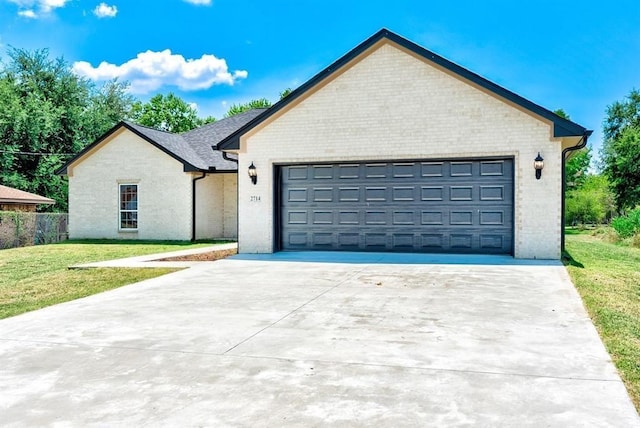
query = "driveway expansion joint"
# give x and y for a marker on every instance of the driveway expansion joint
(342, 281)
(226, 354)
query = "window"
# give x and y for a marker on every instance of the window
(128, 207)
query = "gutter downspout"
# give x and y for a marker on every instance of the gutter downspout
(225, 156)
(581, 145)
(193, 205)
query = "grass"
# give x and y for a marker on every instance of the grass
(34, 277)
(607, 276)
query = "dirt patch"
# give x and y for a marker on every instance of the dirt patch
(202, 257)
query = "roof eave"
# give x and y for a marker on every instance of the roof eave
(187, 166)
(562, 127)
(63, 169)
(26, 201)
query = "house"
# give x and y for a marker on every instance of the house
(140, 183)
(12, 199)
(394, 148)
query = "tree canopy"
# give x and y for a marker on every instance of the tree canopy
(621, 150)
(47, 114)
(241, 108)
(168, 113)
(577, 167)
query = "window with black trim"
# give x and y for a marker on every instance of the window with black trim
(128, 207)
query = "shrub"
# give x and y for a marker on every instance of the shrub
(583, 207)
(623, 227)
(629, 225)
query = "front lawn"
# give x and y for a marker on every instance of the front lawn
(34, 277)
(607, 277)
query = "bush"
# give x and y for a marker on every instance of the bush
(591, 203)
(583, 207)
(629, 225)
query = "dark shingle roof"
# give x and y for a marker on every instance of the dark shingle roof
(196, 149)
(172, 143)
(201, 139)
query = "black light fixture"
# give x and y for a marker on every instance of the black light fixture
(253, 174)
(538, 164)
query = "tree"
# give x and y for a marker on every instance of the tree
(168, 113)
(621, 150)
(285, 93)
(47, 114)
(241, 108)
(593, 202)
(577, 166)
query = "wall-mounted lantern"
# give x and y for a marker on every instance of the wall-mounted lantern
(253, 173)
(538, 164)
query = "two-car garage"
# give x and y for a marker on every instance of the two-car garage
(393, 148)
(461, 206)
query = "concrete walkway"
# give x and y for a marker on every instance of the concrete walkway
(296, 343)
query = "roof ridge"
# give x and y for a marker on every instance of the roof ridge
(217, 122)
(130, 122)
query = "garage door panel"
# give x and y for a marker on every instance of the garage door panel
(425, 206)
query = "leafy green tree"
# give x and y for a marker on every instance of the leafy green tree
(621, 150)
(241, 108)
(592, 203)
(47, 114)
(285, 93)
(577, 166)
(621, 158)
(168, 113)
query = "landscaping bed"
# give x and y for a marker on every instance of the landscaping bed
(201, 257)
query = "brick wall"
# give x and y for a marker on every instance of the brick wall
(164, 205)
(391, 105)
(216, 207)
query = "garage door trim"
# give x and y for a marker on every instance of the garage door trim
(278, 168)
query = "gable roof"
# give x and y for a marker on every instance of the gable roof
(561, 127)
(195, 149)
(12, 195)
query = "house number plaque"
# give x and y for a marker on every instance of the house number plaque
(254, 198)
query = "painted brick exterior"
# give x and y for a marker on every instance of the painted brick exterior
(164, 201)
(390, 104)
(216, 207)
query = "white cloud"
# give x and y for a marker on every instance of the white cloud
(36, 8)
(28, 13)
(150, 70)
(199, 2)
(103, 10)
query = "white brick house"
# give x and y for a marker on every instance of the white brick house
(140, 183)
(394, 148)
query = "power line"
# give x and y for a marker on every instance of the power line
(11, 152)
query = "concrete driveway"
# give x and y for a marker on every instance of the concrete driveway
(376, 342)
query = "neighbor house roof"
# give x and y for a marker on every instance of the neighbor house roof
(10, 195)
(195, 149)
(561, 127)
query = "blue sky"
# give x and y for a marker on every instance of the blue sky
(577, 55)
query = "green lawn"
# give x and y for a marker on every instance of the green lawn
(607, 277)
(34, 277)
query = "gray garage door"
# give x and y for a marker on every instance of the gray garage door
(425, 206)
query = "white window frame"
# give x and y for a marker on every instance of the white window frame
(122, 211)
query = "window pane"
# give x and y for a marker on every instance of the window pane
(128, 206)
(128, 220)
